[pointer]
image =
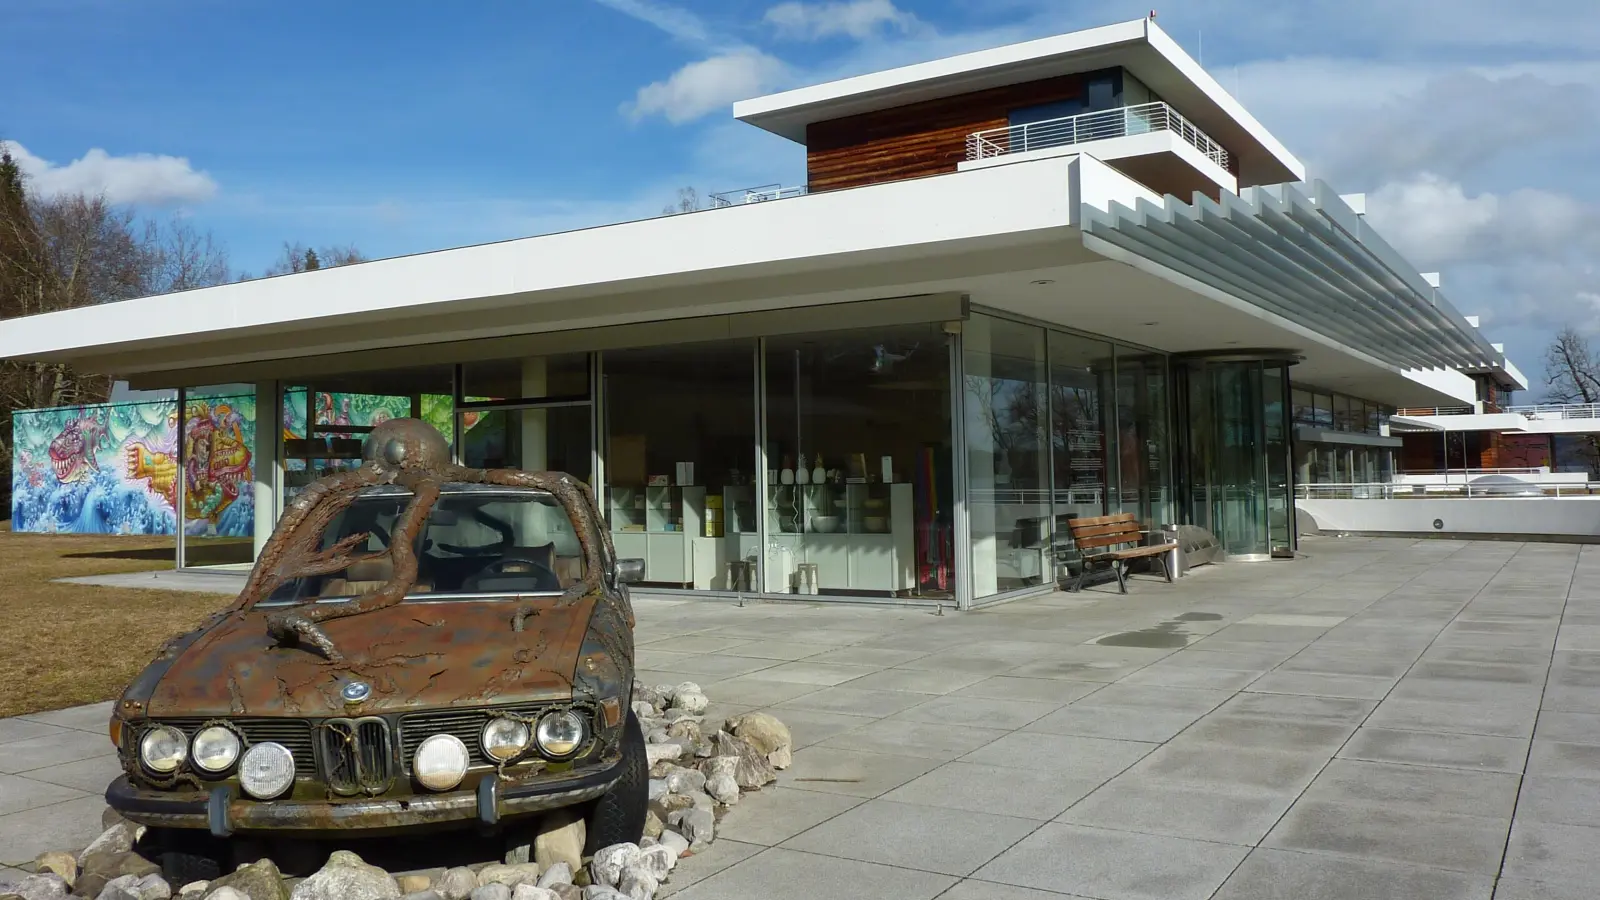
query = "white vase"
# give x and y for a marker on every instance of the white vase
(819, 475)
(786, 476)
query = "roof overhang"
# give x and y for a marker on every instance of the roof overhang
(1305, 258)
(1138, 46)
(1310, 434)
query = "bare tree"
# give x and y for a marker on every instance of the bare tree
(182, 258)
(688, 201)
(298, 257)
(1572, 375)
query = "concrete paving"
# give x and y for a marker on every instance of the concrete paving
(1382, 718)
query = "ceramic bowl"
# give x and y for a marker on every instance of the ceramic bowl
(824, 524)
(875, 524)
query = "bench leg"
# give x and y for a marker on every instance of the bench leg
(1077, 583)
(1122, 580)
(1165, 569)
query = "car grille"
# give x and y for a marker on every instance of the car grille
(294, 734)
(466, 724)
(357, 757)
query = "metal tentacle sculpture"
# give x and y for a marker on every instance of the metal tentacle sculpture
(407, 453)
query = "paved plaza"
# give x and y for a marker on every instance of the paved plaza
(1382, 718)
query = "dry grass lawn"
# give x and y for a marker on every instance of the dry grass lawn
(69, 644)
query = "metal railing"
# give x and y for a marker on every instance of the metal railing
(757, 194)
(1435, 411)
(1402, 492)
(1557, 411)
(1142, 118)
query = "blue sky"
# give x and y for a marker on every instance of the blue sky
(409, 126)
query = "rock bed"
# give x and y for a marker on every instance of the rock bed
(697, 770)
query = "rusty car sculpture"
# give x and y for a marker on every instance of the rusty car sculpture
(419, 645)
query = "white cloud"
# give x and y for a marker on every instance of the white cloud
(136, 178)
(710, 84)
(1434, 221)
(675, 21)
(859, 19)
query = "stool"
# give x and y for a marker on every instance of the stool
(806, 578)
(739, 573)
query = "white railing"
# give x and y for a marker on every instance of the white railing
(757, 194)
(1093, 126)
(1436, 411)
(1557, 411)
(1402, 492)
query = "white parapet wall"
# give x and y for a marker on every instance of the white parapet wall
(1572, 518)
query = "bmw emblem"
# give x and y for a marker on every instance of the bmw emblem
(356, 691)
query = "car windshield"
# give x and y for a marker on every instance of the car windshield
(484, 541)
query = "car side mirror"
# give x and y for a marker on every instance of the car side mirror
(630, 571)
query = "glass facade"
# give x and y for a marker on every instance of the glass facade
(1347, 462)
(1237, 475)
(915, 461)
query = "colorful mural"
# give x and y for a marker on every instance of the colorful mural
(113, 468)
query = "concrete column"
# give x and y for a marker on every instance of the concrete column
(264, 462)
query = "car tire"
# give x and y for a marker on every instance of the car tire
(618, 816)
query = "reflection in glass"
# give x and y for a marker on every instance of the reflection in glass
(680, 462)
(553, 439)
(858, 463)
(556, 376)
(218, 474)
(1081, 389)
(1007, 454)
(1142, 436)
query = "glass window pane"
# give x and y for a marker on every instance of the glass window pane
(1007, 454)
(529, 378)
(1305, 412)
(555, 439)
(681, 462)
(1280, 506)
(869, 412)
(219, 434)
(1142, 438)
(1081, 391)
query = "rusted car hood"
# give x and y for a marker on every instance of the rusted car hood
(415, 656)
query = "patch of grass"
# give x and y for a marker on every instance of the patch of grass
(69, 644)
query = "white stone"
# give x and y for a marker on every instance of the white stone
(638, 882)
(531, 892)
(562, 835)
(608, 863)
(601, 892)
(723, 789)
(655, 753)
(492, 891)
(658, 788)
(690, 701)
(119, 838)
(347, 877)
(456, 883)
(659, 859)
(675, 842)
(560, 873)
(225, 893)
(685, 781)
(696, 824)
(510, 876)
(684, 687)
(193, 887)
(40, 887)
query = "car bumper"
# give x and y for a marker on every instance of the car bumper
(224, 813)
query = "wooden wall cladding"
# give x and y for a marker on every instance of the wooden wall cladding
(927, 138)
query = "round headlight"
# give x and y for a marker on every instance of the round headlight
(561, 733)
(163, 749)
(505, 739)
(214, 749)
(266, 770)
(441, 762)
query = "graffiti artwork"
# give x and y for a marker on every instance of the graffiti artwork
(113, 468)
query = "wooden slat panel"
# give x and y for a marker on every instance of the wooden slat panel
(1097, 530)
(1107, 540)
(1100, 520)
(1136, 552)
(920, 139)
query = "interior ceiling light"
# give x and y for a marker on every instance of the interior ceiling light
(1149, 323)
(1042, 281)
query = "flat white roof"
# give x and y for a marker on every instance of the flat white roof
(1138, 46)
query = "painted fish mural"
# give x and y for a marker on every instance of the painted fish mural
(73, 452)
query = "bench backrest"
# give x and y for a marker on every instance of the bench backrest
(1094, 532)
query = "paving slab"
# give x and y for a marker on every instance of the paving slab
(1115, 865)
(1472, 844)
(1080, 757)
(1565, 759)
(835, 771)
(64, 746)
(912, 738)
(1023, 793)
(1271, 874)
(1047, 690)
(72, 824)
(1561, 801)
(779, 874)
(930, 839)
(91, 775)
(1461, 791)
(1361, 687)
(691, 871)
(854, 701)
(1422, 748)
(1545, 851)
(1498, 719)
(92, 718)
(772, 815)
(18, 794)
(1139, 803)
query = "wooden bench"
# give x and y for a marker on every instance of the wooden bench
(1094, 534)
